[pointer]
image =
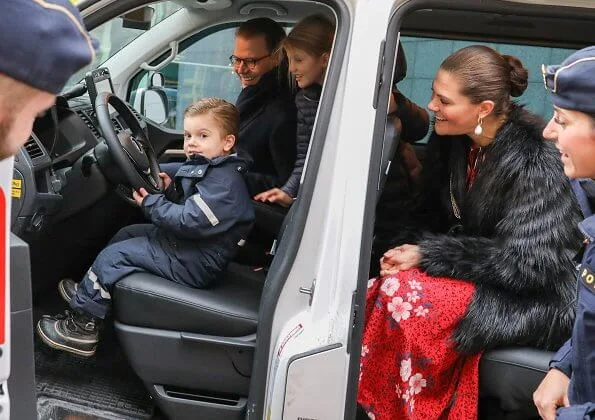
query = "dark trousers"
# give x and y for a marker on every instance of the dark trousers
(129, 251)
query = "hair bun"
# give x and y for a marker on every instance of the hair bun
(519, 76)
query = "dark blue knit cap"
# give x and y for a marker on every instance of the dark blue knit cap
(572, 83)
(43, 42)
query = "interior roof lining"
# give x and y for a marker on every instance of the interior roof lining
(563, 32)
(498, 39)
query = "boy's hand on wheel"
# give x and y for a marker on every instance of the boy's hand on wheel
(138, 195)
(166, 180)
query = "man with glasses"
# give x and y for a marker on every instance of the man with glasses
(267, 112)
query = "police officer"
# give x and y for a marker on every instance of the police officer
(570, 383)
(43, 43)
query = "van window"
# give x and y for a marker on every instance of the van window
(200, 69)
(424, 56)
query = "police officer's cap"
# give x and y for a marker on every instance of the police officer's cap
(42, 42)
(572, 83)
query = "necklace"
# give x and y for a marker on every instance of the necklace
(470, 178)
(455, 208)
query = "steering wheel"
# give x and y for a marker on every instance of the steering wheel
(130, 148)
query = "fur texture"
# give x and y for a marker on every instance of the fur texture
(517, 237)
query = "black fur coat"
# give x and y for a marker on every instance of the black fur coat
(516, 237)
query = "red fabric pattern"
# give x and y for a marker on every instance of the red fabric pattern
(409, 368)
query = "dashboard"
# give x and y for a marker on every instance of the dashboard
(56, 173)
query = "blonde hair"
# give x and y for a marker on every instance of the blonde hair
(313, 34)
(224, 113)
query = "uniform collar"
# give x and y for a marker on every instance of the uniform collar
(242, 161)
(585, 193)
(201, 160)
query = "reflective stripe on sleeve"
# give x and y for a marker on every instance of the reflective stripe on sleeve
(205, 209)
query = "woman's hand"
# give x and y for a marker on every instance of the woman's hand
(166, 180)
(275, 195)
(387, 268)
(551, 393)
(402, 257)
(139, 195)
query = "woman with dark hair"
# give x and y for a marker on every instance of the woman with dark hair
(496, 266)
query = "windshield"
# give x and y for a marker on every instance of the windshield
(116, 33)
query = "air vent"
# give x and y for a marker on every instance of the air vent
(33, 148)
(87, 120)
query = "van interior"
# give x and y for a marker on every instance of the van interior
(170, 352)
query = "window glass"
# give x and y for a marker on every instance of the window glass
(424, 56)
(200, 70)
(113, 36)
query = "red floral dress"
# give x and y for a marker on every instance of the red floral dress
(409, 368)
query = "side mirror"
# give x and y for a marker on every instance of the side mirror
(152, 101)
(140, 18)
(154, 105)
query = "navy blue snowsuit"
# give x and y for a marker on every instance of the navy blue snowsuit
(197, 226)
(576, 358)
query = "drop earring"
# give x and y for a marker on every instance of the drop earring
(478, 128)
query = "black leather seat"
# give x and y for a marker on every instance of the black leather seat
(193, 348)
(229, 308)
(511, 375)
(269, 218)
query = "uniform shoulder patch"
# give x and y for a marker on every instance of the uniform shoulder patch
(587, 276)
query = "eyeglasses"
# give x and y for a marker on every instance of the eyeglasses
(249, 62)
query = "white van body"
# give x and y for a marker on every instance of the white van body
(310, 362)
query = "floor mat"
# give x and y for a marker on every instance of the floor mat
(53, 409)
(104, 382)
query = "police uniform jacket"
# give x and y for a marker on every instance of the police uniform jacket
(204, 216)
(576, 358)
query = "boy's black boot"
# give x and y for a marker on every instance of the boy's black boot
(67, 289)
(70, 331)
